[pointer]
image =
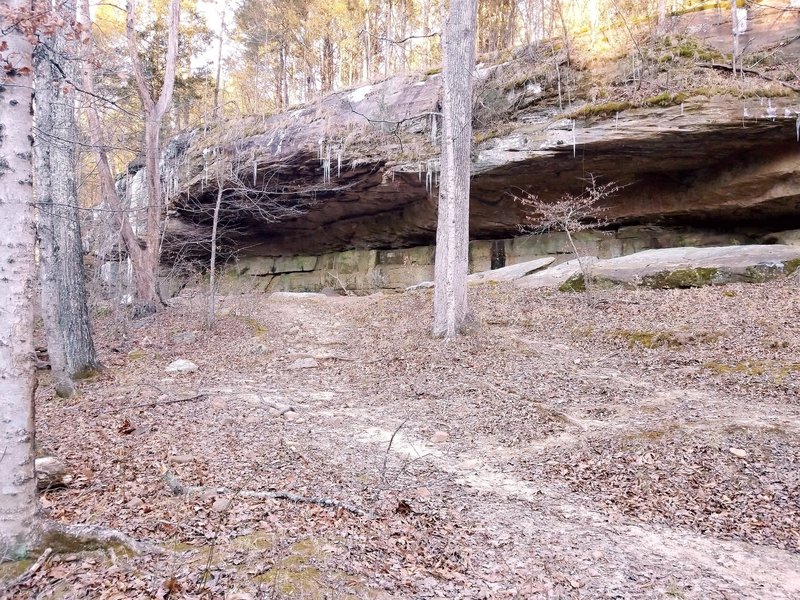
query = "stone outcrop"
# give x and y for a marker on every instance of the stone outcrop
(342, 192)
(667, 268)
(363, 271)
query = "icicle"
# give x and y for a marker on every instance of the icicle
(434, 126)
(326, 166)
(321, 154)
(616, 120)
(255, 171)
(573, 139)
(772, 112)
(428, 177)
(339, 152)
(797, 127)
(419, 171)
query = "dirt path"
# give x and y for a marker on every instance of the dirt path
(640, 447)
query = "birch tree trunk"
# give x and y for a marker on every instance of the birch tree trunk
(17, 285)
(452, 232)
(62, 275)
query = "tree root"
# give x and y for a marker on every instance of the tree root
(62, 538)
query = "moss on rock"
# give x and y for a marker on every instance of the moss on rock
(682, 278)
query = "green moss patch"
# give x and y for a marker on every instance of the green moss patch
(681, 278)
(576, 283)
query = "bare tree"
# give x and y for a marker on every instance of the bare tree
(452, 232)
(62, 275)
(570, 214)
(144, 252)
(17, 284)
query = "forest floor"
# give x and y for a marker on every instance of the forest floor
(643, 444)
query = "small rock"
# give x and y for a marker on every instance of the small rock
(738, 452)
(181, 459)
(221, 505)
(135, 502)
(597, 555)
(50, 473)
(185, 337)
(290, 415)
(304, 363)
(439, 437)
(181, 366)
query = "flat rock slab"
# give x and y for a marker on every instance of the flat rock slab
(298, 296)
(554, 276)
(695, 267)
(665, 268)
(512, 272)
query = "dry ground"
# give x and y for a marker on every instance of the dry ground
(643, 445)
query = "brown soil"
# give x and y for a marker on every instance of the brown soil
(641, 445)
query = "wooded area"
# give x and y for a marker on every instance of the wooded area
(92, 96)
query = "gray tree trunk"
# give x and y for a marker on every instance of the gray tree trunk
(64, 297)
(17, 284)
(452, 232)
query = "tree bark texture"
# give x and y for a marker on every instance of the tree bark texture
(144, 280)
(452, 232)
(17, 286)
(62, 274)
(153, 111)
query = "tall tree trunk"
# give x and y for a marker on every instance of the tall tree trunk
(218, 80)
(62, 275)
(17, 284)
(452, 232)
(143, 274)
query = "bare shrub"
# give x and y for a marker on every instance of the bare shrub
(570, 214)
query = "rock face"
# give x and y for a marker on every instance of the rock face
(365, 271)
(698, 163)
(335, 187)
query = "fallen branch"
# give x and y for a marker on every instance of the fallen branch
(178, 489)
(281, 495)
(722, 67)
(155, 403)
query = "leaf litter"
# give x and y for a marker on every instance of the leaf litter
(589, 449)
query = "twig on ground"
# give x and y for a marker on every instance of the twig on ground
(389, 448)
(179, 489)
(201, 396)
